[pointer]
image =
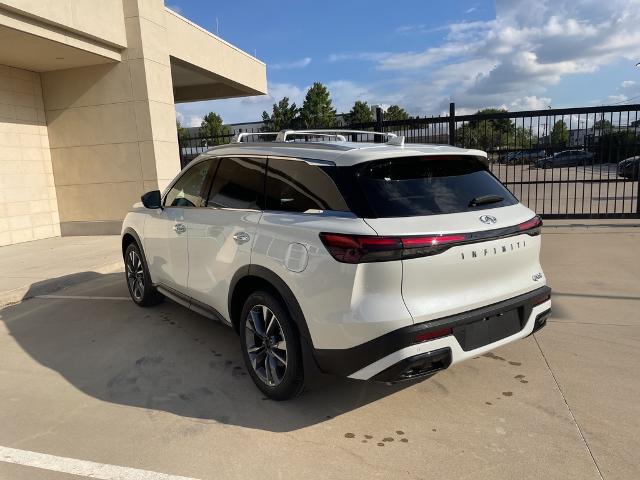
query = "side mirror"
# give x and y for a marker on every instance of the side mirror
(152, 199)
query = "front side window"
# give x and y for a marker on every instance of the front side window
(238, 183)
(296, 186)
(416, 186)
(187, 191)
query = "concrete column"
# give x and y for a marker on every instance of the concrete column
(28, 207)
(112, 127)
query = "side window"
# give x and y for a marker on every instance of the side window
(239, 183)
(296, 186)
(187, 191)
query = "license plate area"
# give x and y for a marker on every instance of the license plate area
(488, 329)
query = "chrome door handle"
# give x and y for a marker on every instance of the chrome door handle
(179, 228)
(241, 237)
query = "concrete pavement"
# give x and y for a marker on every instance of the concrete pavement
(53, 263)
(165, 390)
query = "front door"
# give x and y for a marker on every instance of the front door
(165, 231)
(221, 234)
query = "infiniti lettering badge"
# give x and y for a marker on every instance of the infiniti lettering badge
(488, 219)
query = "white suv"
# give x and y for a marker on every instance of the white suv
(376, 261)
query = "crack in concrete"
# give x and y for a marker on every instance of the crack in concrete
(564, 399)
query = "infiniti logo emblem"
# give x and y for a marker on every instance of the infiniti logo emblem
(488, 219)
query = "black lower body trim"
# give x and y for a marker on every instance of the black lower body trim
(419, 366)
(347, 361)
(541, 321)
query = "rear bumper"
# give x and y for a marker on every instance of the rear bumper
(399, 356)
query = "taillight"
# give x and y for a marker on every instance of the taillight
(368, 248)
(372, 248)
(531, 227)
(429, 245)
(361, 248)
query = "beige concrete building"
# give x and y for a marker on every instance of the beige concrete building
(87, 107)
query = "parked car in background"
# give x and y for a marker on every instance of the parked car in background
(523, 156)
(566, 158)
(374, 261)
(629, 168)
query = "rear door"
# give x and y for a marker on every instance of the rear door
(431, 201)
(221, 233)
(165, 230)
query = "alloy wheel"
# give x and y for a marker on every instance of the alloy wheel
(266, 345)
(135, 275)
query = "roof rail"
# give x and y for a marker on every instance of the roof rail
(282, 134)
(338, 134)
(393, 139)
(239, 136)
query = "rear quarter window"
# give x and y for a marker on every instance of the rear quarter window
(296, 186)
(417, 186)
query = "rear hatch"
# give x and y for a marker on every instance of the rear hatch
(467, 241)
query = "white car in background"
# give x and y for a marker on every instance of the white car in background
(376, 261)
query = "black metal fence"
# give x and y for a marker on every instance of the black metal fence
(562, 163)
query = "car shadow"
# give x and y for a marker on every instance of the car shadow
(164, 358)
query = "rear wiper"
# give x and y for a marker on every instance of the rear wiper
(485, 199)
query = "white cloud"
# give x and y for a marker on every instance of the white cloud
(470, 10)
(529, 103)
(303, 62)
(513, 59)
(364, 56)
(616, 98)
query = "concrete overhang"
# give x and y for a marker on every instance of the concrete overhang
(205, 67)
(37, 46)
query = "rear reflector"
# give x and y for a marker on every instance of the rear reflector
(541, 299)
(370, 248)
(424, 336)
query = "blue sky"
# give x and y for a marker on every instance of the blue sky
(421, 54)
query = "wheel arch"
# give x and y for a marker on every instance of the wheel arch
(129, 235)
(253, 277)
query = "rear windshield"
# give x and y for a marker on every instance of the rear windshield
(415, 186)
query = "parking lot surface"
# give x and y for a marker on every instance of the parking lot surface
(93, 386)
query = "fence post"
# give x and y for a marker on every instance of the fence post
(638, 195)
(379, 118)
(452, 123)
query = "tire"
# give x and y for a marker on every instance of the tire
(136, 273)
(274, 360)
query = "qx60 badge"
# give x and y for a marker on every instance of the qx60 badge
(488, 219)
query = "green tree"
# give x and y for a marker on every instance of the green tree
(501, 126)
(317, 110)
(615, 146)
(283, 116)
(602, 126)
(360, 113)
(183, 133)
(394, 112)
(560, 133)
(212, 127)
(491, 133)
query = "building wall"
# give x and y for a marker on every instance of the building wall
(100, 19)
(112, 127)
(28, 207)
(86, 136)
